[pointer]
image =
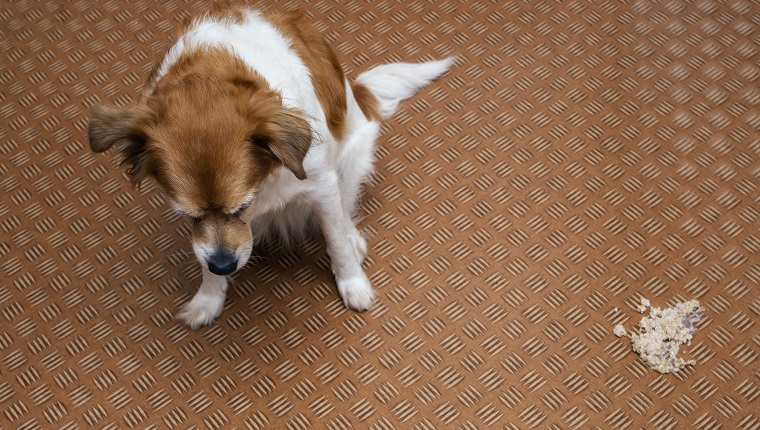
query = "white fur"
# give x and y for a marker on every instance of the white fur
(392, 83)
(335, 169)
(208, 302)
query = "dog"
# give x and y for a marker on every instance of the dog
(250, 126)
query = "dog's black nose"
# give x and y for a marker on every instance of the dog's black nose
(222, 263)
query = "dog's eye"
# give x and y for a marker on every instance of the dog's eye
(191, 217)
(242, 208)
(261, 142)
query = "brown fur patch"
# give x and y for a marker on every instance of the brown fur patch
(209, 133)
(127, 128)
(222, 232)
(326, 73)
(223, 10)
(221, 131)
(367, 102)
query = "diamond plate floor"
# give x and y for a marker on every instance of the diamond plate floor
(579, 156)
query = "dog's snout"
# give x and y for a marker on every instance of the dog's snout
(222, 263)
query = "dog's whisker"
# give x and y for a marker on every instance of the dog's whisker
(251, 263)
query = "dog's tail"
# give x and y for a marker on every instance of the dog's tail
(392, 83)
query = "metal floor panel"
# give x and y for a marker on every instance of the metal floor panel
(579, 156)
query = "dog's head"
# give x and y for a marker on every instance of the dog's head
(209, 134)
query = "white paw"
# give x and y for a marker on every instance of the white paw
(356, 293)
(202, 310)
(359, 245)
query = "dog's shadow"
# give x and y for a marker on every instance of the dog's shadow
(276, 273)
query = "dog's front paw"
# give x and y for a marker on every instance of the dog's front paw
(202, 310)
(356, 292)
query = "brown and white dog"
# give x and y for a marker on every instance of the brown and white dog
(250, 126)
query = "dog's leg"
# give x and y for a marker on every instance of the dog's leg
(358, 243)
(347, 248)
(208, 302)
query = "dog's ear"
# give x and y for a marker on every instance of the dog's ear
(127, 127)
(286, 136)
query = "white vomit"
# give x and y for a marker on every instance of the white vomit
(662, 333)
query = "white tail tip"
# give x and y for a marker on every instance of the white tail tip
(392, 83)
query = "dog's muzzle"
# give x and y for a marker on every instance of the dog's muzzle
(222, 263)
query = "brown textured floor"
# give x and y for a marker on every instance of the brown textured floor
(579, 156)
